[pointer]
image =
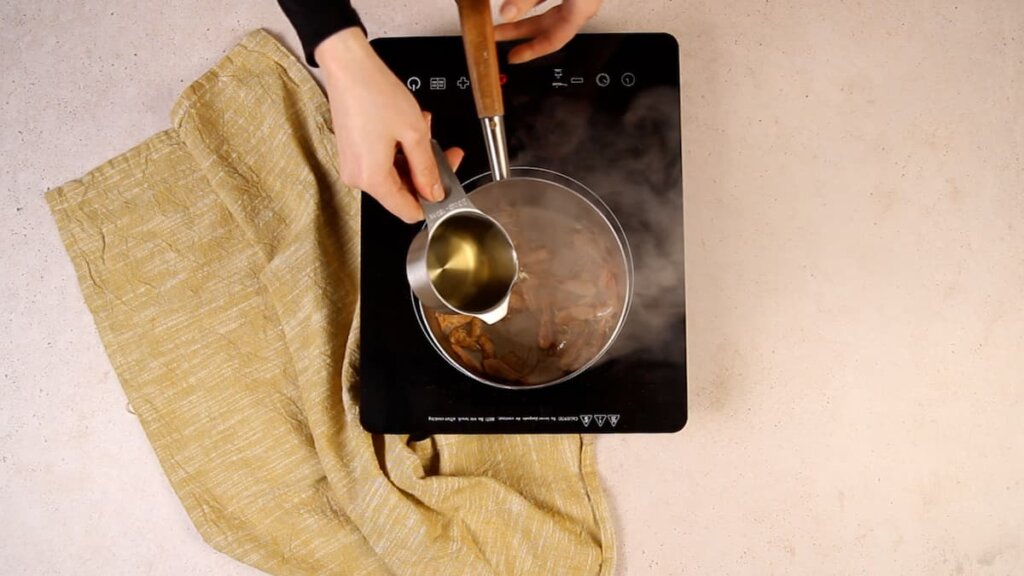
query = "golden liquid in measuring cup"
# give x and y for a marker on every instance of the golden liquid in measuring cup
(470, 262)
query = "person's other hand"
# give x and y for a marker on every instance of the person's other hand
(383, 137)
(548, 31)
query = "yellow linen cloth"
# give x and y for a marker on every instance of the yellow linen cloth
(220, 261)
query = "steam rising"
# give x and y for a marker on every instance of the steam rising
(630, 156)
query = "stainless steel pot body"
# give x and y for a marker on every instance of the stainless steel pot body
(546, 209)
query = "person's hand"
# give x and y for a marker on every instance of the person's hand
(549, 31)
(383, 137)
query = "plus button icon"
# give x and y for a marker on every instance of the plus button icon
(463, 82)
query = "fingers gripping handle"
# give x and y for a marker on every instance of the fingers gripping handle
(454, 195)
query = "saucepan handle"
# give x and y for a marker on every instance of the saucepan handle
(481, 56)
(482, 60)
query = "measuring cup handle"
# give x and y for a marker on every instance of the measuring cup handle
(454, 195)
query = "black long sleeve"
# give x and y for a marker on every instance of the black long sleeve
(315, 20)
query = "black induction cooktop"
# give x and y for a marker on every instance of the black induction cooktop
(604, 110)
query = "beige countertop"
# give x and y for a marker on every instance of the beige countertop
(854, 176)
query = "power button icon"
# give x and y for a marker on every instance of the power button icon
(413, 83)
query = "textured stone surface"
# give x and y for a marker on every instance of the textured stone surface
(855, 199)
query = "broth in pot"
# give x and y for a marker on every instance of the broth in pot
(569, 300)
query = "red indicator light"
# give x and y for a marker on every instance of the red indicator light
(502, 79)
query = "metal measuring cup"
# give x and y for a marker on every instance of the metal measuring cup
(462, 261)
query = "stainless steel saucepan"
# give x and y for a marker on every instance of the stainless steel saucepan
(573, 283)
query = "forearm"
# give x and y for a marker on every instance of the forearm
(345, 54)
(316, 20)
